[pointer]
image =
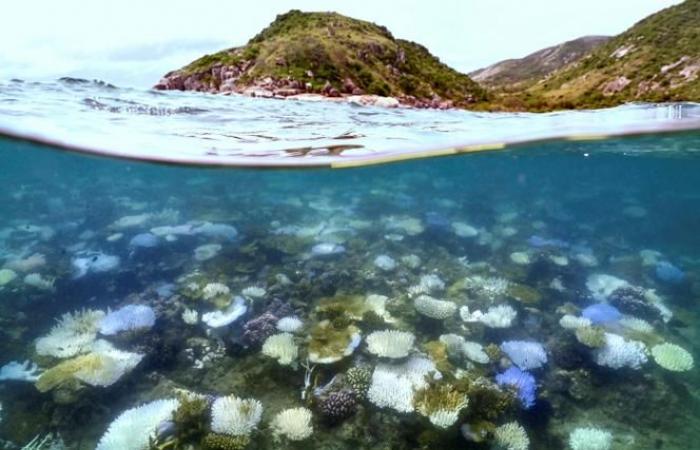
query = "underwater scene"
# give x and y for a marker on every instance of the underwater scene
(543, 297)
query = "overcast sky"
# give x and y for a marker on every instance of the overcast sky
(134, 42)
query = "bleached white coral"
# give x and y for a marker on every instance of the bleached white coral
(73, 334)
(590, 438)
(190, 316)
(428, 284)
(457, 346)
(290, 324)
(601, 285)
(282, 348)
(26, 371)
(127, 318)
(636, 324)
(217, 319)
(464, 230)
(488, 287)
(393, 385)
(444, 418)
(254, 292)
(377, 304)
(38, 281)
(672, 357)
(111, 365)
(385, 262)
(501, 316)
(618, 353)
(511, 436)
(434, 308)
(212, 290)
(6, 276)
(293, 424)
(475, 352)
(235, 416)
(390, 343)
(571, 322)
(205, 252)
(133, 429)
(520, 258)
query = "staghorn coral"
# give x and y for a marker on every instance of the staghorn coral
(73, 334)
(618, 353)
(134, 427)
(393, 385)
(390, 343)
(235, 416)
(282, 348)
(441, 404)
(293, 424)
(511, 436)
(590, 438)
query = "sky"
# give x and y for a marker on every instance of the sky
(135, 42)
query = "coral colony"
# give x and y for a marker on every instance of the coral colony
(313, 320)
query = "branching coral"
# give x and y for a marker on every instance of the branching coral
(441, 404)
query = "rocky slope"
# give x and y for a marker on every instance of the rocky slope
(331, 55)
(522, 72)
(658, 59)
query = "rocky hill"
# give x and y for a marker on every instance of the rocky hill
(331, 55)
(658, 59)
(522, 72)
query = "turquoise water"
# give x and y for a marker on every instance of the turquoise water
(467, 256)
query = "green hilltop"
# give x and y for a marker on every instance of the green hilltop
(325, 52)
(300, 53)
(656, 60)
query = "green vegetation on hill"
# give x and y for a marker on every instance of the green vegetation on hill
(658, 59)
(329, 52)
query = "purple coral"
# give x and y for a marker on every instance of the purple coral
(256, 330)
(600, 313)
(525, 354)
(338, 405)
(522, 381)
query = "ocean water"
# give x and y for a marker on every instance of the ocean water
(532, 291)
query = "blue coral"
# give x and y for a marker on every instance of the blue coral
(128, 318)
(522, 381)
(525, 354)
(668, 273)
(601, 313)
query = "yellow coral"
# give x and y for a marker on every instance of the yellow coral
(64, 373)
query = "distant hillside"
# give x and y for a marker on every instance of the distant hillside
(658, 59)
(536, 66)
(332, 55)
